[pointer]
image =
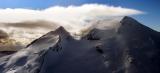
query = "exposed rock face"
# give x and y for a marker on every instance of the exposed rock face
(4, 53)
(130, 47)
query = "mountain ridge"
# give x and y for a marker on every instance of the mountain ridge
(130, 48)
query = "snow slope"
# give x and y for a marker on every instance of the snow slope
(125, 47)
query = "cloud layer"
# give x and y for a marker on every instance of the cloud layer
(68, 14)
(70, 17)
(32, 24)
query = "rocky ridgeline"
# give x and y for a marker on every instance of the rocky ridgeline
(128, 47)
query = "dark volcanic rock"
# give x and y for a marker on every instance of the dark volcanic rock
(4, 53)
(129, 47)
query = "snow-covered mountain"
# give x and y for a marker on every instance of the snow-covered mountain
(124, 47)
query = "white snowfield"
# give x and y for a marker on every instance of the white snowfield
(117, 48)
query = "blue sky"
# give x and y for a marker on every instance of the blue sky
(150, 7)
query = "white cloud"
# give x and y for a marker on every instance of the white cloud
(69, 17)
(70, 13)
(66, 16)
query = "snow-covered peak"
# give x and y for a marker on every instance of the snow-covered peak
(117, 48)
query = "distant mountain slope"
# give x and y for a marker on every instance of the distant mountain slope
(127, 47)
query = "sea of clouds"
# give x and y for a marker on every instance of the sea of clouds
(38, 22)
